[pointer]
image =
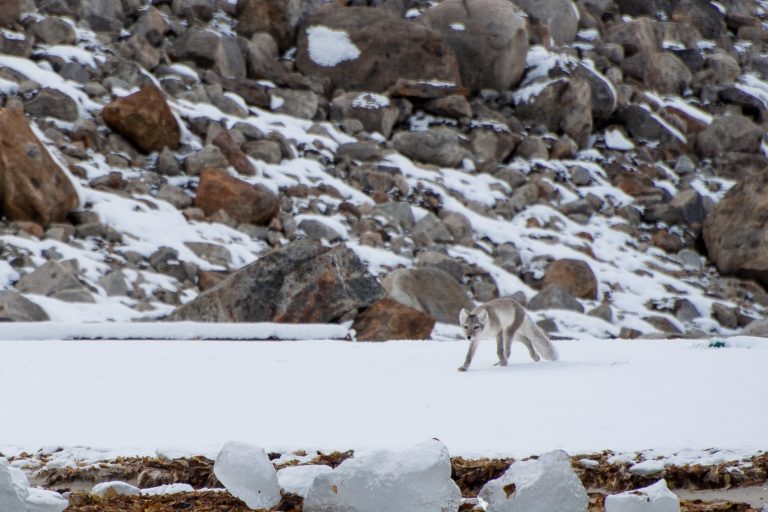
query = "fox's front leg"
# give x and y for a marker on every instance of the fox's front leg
(470, 355)
(500, 349)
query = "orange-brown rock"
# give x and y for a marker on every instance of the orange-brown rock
(574, 275)
(145, 119)
(32, 185)
(232, 152)
(387, 319)
(246, 203)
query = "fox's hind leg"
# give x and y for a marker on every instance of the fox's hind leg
(527, 342)
(501, 350)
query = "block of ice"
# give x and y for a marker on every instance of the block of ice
(547, 484)
(42, 500)
(116, 488)
(10, 501)
(298, 479)
(247, 473)
(654, 498)
(416, 479)
(167, 489)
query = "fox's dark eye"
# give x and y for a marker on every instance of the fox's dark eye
(476, 328)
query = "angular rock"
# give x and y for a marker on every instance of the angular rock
(489, 38)
(14, 307)
(246, 203)
(654, 498)
(210, 49)
(429, 290)
(415, 479)
(372, 49)
(563, 106)
(375, 111)
(53, 103)
(387, 319)
(642, 123)
(262, 58)
(546, 484)
(440, 146)
(299, 282)
(232, 152)
(735, 234)
(53, 30)
(560, 16)
(575, 276)
(32, 185)
(636, 36)
(555, 296)
(152, 25)
(278, 18)
(728, 134)
(209, 156)
(248, 474)
(145, 119)
(661, 71)
(10, 11)
(294, 102)
(114, 284)
(55, 280)
(103, 15)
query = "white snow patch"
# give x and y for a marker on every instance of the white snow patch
(370, 101)
(329, 47)
(615, 139)
(457, 27)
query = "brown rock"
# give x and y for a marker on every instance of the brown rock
(10, 10)
(666, 241)
(32, 185)
(574, 275)
(278, 18)
(232, 152)
(388, 48)
(246, 203)
(145, 119)
(387, 319)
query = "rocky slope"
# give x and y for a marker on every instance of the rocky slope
(581, 156)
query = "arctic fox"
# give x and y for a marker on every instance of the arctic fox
(505, 319)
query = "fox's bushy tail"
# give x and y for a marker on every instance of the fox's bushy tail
(541, 342)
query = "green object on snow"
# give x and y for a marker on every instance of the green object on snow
(716, 343)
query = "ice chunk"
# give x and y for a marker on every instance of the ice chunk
(247, 473)
(42, 500)
(10, 501)
(654, 498)
(547, 484)
(647, 468)
(415, 479)
(298, 479)
(167, 489)
(116, 488)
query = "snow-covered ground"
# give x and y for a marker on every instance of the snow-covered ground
(181, 397)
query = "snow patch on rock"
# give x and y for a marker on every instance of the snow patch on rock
(329, 47)
(654, 498)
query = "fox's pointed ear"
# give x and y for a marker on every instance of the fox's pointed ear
(463, 315)
(482, 316)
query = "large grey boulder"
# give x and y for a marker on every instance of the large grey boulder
(489, 38)
(560, 16)
(103, 15)
(299, 282)
(14, 307)
(430, 290)
(727, 134)
(440, 146)
(372, 49)
(56, 280)
(555, 296)
(278, 18)
(209, 49)
(375, 111)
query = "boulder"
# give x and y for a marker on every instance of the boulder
(210, 49)
(10, 11)
(232, 152)
(32, 185)
(53, 103)
(705, 17)
(575, 276)
(563, 106)
(248, 474)
(102, 15)
(263, 58)
(636, 36)
(246, 203)
(546, 484)
(644, 124)
(375, 111)
(418, 478)
(300, 282)
(278, 18)
(489, 38)
(727, 134)
(56, 280)
(735, 233)
(152, 25)
(560, 16)
(661, 71)
(654, 498)
(14, 307)
(429, 290)
(53, 30)
(363, 49)
(440, 146)
(387, 319)
(554, 296)
(145, 119)
(294, 102)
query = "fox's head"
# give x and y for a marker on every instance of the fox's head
(473, 324)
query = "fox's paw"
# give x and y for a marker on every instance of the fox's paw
(536, 357)
(462, 368)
